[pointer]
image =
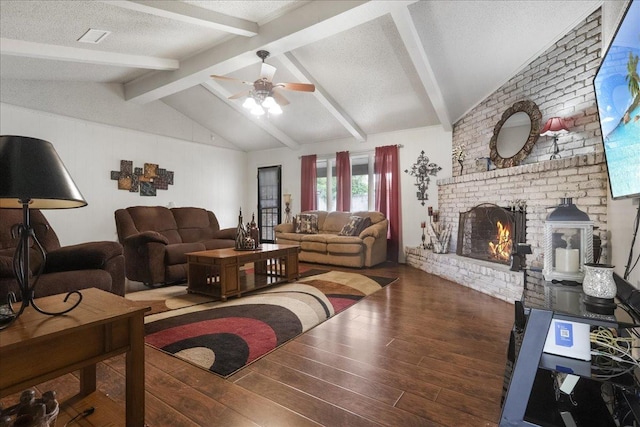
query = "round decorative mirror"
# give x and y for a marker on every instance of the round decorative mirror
(515, 134)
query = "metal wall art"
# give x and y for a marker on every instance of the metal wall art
(145, 180)
(421, 169)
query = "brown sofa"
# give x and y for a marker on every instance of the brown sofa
(156, 240)
(69, 268)
(366, 249)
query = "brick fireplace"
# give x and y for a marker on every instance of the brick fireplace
(489, 232)
(540, 186)
(559, 81)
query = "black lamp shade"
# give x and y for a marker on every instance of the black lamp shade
(567, 211)
(31, 170)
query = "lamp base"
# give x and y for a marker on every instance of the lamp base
(21, 272)
(287, 213)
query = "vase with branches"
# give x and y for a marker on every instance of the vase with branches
(459, 154)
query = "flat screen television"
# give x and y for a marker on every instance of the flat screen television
(617, 89)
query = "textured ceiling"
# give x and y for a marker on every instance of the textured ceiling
(378, 66)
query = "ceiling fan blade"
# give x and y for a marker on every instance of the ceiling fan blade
(231, 79)
(267, 72)
(240, 94)
(303, 87)
(279, 98)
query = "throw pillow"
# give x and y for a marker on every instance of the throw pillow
(352, 227)
(364, 224)
(306, 224)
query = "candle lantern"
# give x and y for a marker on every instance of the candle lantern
(568, 237)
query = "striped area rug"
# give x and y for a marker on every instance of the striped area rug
(224, 337)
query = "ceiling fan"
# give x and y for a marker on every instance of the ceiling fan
(265, 95)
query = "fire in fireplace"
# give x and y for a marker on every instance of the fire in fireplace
(489, 232)
(501, 247)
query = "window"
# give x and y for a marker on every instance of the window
(326, 198)
(362, 195)
(361, 182)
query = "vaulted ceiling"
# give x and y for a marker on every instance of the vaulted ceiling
(378, 66)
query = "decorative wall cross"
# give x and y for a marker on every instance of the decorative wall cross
(421, 169)
(146, 180)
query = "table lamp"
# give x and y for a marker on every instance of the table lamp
(32, 176)
(287, 209)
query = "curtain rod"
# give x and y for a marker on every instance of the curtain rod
(330, 155)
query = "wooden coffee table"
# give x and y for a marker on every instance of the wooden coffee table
(217, 272)
(38, 348)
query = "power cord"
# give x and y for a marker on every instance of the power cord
(630, 263)
(612, 351)
(80, 416)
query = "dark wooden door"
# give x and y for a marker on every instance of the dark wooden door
(269, 196)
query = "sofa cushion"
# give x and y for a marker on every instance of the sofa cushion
(374, 216)
(177, 254)
(320, 238)
(352, 248)
(68, 281)
(294, 237)
(311, 246)
(155, 218)
(218, 243)
(193, 224)
(6, 266)
(84, 256)
(335, 221)
(306, 223)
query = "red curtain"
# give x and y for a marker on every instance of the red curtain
(343, 181)
(387, 180)
(308, 189)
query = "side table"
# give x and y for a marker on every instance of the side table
(38, 348)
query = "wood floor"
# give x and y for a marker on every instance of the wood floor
(421, 352)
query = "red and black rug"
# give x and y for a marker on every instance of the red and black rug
(224, 337)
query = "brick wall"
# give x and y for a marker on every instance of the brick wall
(560, 82)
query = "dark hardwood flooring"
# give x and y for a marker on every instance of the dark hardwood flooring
(421, 352)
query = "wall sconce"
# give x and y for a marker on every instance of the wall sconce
(287, 210)
(421, 169)
(554, 127)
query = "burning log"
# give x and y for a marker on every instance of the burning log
(501, 249)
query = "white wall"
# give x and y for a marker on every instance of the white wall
(205, 176)
(435, 142)
(621, 214)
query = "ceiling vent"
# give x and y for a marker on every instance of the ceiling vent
(94, 36)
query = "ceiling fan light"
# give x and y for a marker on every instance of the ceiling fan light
(275, 109)
(250, 103)
(269, 102)
(257, 111)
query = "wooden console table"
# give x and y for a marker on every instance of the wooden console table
(217, 272)
(38, 348)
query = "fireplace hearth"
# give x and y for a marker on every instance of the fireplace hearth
(489, 232)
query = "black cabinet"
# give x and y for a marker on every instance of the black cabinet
(532, 381)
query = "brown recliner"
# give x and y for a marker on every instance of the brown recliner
(156, 240)
(69, 268)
